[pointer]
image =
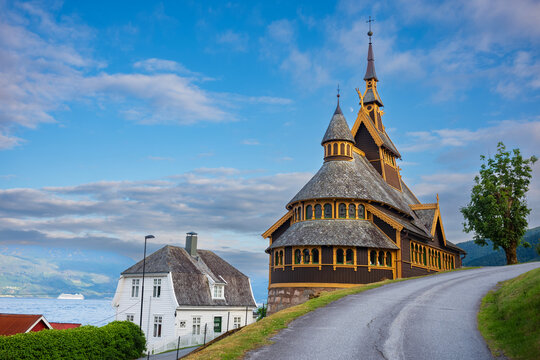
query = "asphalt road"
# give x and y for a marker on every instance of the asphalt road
(428, 318)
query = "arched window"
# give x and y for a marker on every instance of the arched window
(327, 211)
(373, 257)
(381, 258)
(309, 212)
(294, 215)
(424, 255)
(335, 149)
(315, 256)
(349, 150)
(388, 258)
(349, 257)
(300, 214)
(318, 211)
(297, 256)
(281, 257)
(361, 212)
(352, 211)
(328, 150)
(339, 256)
(306, 256)
(276, 257)
(342, 211)
(342, 149)
(439, 260)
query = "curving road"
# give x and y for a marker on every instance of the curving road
(428, 318)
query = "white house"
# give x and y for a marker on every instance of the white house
(189, 294)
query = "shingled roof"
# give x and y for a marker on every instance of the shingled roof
(190, 276)
(338, 129)
(334, 232)
(355, 179)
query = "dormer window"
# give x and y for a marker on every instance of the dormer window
(217, 292)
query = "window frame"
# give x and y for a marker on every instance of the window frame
(354, 263)
(196, 325)
(156, 293)
(301, 250)
(158, 325)
(135, 284)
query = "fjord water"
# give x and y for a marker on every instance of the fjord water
(96, 312)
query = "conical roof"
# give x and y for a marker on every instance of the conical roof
(338, 129)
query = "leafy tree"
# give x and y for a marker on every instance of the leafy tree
(261, 311)
(498, 209)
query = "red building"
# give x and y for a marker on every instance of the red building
(11, 324)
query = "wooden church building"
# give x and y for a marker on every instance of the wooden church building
(355, 221)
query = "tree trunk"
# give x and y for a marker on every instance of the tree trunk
(511, 254)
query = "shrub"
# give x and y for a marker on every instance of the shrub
(116, 340)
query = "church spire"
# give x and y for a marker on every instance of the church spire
(370, 71)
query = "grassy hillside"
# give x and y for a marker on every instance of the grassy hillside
(485, 255)
(509, 318)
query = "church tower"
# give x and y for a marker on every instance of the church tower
(355, 221)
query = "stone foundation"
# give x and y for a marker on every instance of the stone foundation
(284, 297)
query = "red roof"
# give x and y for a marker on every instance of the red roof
(11, 324)
(63, 326)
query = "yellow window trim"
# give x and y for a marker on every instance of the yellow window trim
(345, 265)
(311, 263)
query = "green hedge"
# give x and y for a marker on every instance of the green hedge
(117, 340)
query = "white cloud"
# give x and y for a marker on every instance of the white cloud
(235, 41)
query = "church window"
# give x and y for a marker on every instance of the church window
(381, 258)
(439, 260)
(306, 256)
(373, 258)
(339, 256)
(335, 149)
(309, 212)
(318, 211)
(276, 258)
(424, 256)
(315, 256)
(349, 257)
(352, 211)
(361, 212)
(327, 211)
(342, 148)
(297, 256)
(329, 149)
(342, 211)
(281, 257)
(300, 214)
(388, 258)
(349, 150)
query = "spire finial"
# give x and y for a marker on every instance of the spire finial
(370, 32)
(338, 93)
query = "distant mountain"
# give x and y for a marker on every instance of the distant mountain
(34, 271)
(485, 255)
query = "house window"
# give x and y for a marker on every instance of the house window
(135, 288)
(182, 324)
(335, 149)
(318, 211)
(342, 211)
(309, 212)
(361, 212)
(237, 322)
(158, 320)
(315, 256)
(218, 292)
(327, 211)
(130, 317)
(196, 325)
(157, 288)
(352, 211)
(217, 324)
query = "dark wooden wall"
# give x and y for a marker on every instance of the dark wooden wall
(387, 229)
(392, 176)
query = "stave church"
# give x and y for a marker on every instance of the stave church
(356, 221)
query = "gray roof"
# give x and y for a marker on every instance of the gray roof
(413, 225)
(355, 179)
(189, 275)
(338, 129)
(426, 217)
(389, 144)
(372, 96)
(336, 232)
(370, 71)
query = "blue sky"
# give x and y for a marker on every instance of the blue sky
(168, 117)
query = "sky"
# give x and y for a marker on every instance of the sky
(120, 119)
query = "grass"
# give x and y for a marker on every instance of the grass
(258, 334)
(509, 318)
